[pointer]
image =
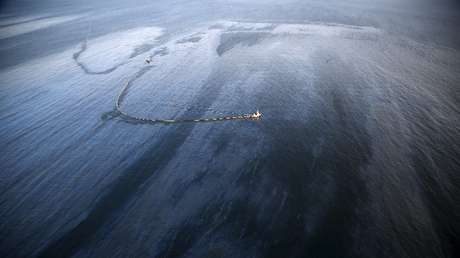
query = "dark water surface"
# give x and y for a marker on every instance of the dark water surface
(357, 153)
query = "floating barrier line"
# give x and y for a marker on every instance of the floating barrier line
(251, 116)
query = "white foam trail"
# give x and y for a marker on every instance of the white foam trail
(34, 25)
(106, 51)
(319, 29)
(11, 20)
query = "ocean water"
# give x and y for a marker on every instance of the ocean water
(357, 153)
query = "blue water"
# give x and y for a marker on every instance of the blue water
(357, 153)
